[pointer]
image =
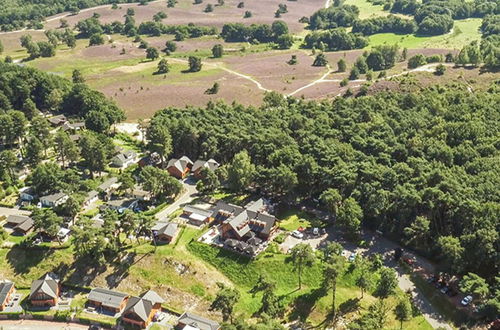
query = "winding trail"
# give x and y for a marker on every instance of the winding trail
(221, 67)
(425, 68)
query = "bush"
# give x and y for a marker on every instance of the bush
(440, 70)
(416, 61)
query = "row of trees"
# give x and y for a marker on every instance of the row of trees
(238, 32)
(334, 40)
(371, 152)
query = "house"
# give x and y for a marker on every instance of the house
(20, 224)
(197, 216)
(201, 164)
(63, 234)
(191, 321)
(58, 120)
(92, 196)
(73, 127)
(27, 194)
(107, 301)
(165, 232)
(153, 159)
(179, 168)
(6, 291)
(243, 223)
(124, 159)
(54, 199)
(45, 291)
(140, 194)
(108, 187)
(141, 310)
(123, 204)
(75, 137)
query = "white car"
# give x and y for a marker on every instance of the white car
(467, 300)
(352, 257)
(315, 231)
(297, 234)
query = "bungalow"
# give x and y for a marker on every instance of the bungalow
(153, 159)
(124, 159)
(58, 120)
(201, 164)
(45, 291)
(140, 194)
(243, 223)
(123, 204)
(165, 232)
(141, 310)
(20, 224)
(63, 234)
(107, 301)
(92, 196)
(197, 216)
(109, 185)
(191, 321)
(54, 199)
(27, 194)
(6, 291)
(179, 168)
(73, 127)
(75, 137)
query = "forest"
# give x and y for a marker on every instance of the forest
(432, 17)
(423, 167)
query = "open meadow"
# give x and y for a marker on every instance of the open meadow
(120, 70)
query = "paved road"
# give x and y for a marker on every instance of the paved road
(187, 196)
(8, 211)
(386, 248)
(39, 325)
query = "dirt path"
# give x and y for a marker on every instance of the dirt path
(425, 68)
(39, 325)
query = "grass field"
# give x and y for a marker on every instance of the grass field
(463, 33)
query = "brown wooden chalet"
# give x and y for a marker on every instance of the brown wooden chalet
(45, 291)
(140, 311)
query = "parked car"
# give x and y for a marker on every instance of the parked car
(297, 234)
(444, 289)
(352, 257)
(315, 231)
(431, 279)
(466, 301)
(409, 261)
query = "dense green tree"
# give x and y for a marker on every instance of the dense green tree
(341, 65)
(94, 152)
(240, 172)
(217, 51)
(66, 148)
(46, 178)
(77, 77)
(46, 221)
(194, 64)
(302, 255)
(159, 183)
(474, 284)
(152, 53)
(387, 283)
(452, 253)
(225, 300)
(209, 181)
(403, 311)
(34, 151)
(320, 60)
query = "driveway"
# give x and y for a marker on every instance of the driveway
(8, 211)
(39, 325)
(314, 241)
(187, 197)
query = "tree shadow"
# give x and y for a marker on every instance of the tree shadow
(23, 260)
(349, 306)
(83, 271)
(304, 304)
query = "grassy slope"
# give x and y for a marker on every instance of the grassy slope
(463, 33)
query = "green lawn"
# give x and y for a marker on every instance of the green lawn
(463, 33)
(292, 219)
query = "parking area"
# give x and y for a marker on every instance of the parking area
(315, 241)
(166, 320)
(15, 304)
